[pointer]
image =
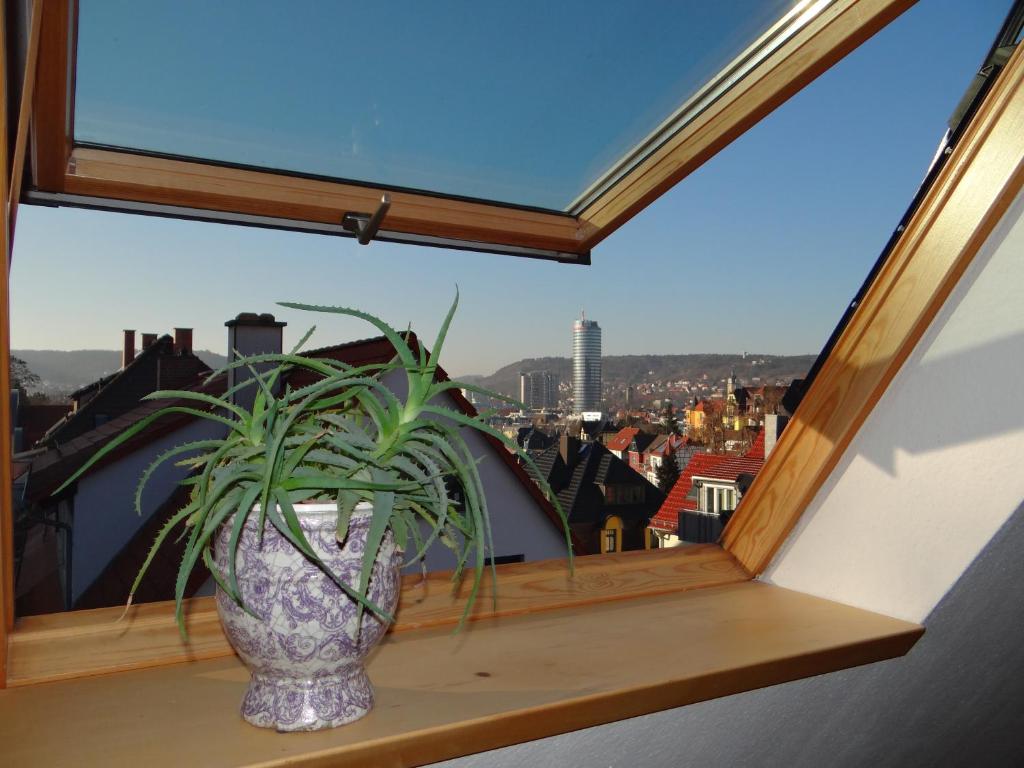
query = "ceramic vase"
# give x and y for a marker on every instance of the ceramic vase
(299, 633)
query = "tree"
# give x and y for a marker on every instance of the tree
(668, 472)
(669, 420)
(22, 376)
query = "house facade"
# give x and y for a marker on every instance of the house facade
(101, 541)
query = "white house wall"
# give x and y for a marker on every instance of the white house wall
(518, 525)
(104, 513)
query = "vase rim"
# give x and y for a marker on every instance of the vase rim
(313, 508)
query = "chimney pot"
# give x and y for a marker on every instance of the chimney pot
(128, 348)
(148, 339)
(251, 334)
(569, 448)
(183, 341)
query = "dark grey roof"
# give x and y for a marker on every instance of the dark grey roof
(578, 486)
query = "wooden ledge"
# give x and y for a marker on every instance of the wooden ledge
(505, 681)
(61, 646)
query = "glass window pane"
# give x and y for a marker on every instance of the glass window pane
(526, 103)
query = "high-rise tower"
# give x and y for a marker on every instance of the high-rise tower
(586, 365)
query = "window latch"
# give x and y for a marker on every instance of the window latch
(364, 225)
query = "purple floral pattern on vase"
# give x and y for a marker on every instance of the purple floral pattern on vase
(299, 633)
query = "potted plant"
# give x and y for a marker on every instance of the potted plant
(306, 508)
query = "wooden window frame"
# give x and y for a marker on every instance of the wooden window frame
(980, 180)
(117, 180)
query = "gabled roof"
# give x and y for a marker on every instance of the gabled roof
(640, 442)
(667, 517)
(657, 443)
(622, 439)
(712, 466)
(533, 439)
(666, 444)
(155, 367)
(51, 468)
(578, 486)
(731, 469)
(54, 466)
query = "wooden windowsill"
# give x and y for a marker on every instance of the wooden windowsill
(504, 681)
(61, 646)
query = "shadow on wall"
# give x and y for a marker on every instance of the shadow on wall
(954, 700)
(947, 408)
(966, 366)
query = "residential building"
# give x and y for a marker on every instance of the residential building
(608, 504)
(619, 444)
(586, 365)
(663, 448)
(165, 362)
(89, 542)
(709, 489)
(531, 439)
(538, 390)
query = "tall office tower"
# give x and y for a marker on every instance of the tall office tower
(586, 365)
(538, 390)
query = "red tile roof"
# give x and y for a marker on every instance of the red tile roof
(757, 448)
(667, 518)
(622, 439)
(712, 466)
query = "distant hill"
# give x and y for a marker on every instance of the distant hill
(65, 371)
(619, 370)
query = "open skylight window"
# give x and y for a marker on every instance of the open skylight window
(526, 104)
(528, 129)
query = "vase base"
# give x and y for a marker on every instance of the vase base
(307, 704)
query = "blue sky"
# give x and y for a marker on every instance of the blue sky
(759, 250)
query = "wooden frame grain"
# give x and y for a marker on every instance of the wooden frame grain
(6, 511)
(831, 32)
(53, 97)
(92, 642)
(24, 117)
(521, 678)
(981, 179)
(164, 181)
(827, 37)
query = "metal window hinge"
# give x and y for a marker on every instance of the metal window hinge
(364, 225)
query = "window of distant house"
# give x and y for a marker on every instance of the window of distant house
(717, 498)
(610, 540)
(624, 494)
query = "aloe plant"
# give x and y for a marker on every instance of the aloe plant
(346, 438)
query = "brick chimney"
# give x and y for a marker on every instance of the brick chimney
(128, 348)
(252, 334)
(148, 339)
(569, 448)
(182, 341)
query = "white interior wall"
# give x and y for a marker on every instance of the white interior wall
(936, 468)
(932, 480)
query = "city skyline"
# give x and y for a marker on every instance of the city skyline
(815, 213)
